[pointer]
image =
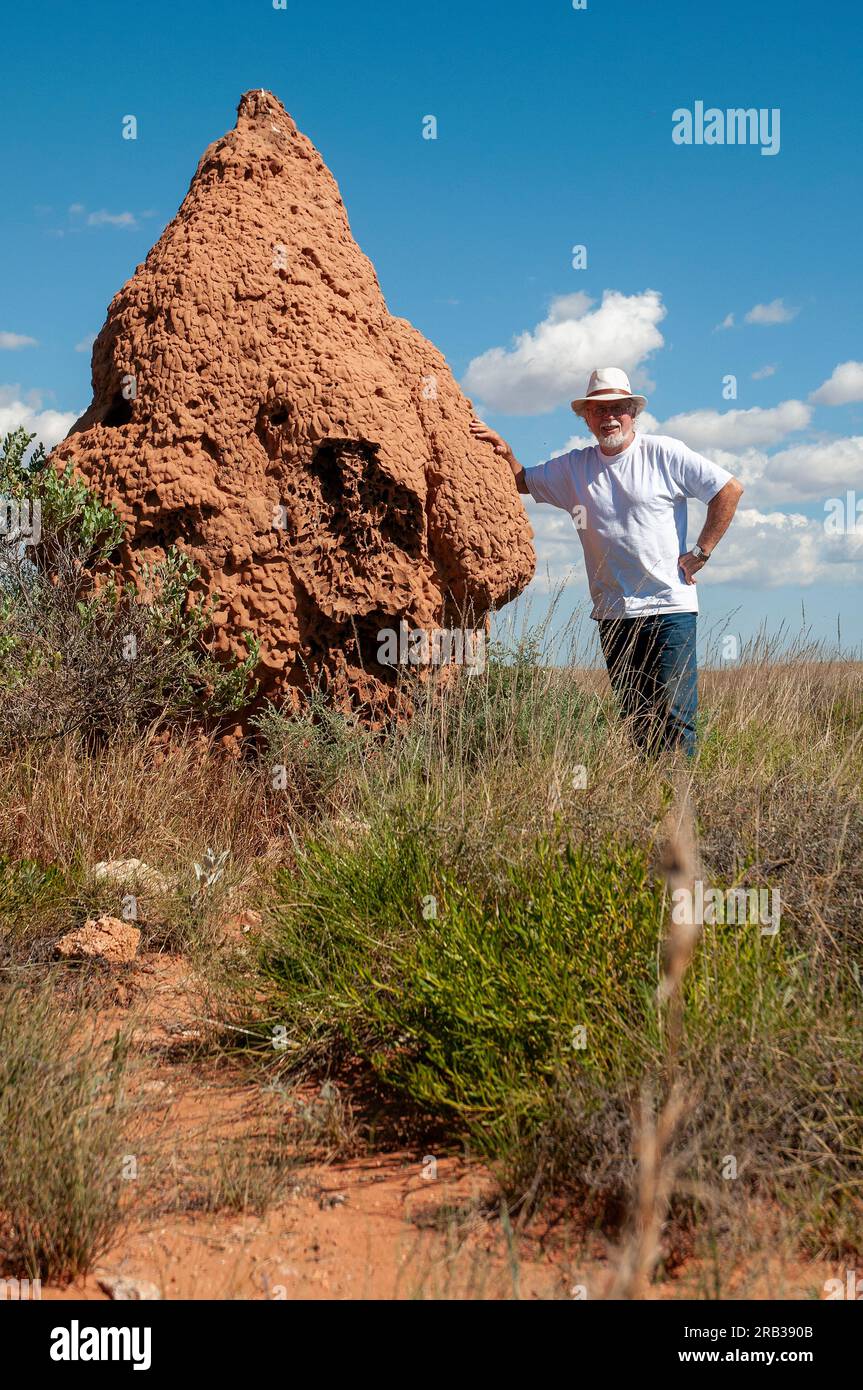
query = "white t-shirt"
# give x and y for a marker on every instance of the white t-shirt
(630, 512)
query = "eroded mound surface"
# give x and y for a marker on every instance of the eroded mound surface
(255, 403)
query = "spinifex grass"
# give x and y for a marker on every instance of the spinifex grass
(62, 1119)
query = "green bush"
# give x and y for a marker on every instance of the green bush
(81, 657)
(70, 513)
(469, 1002)
(495, 1002)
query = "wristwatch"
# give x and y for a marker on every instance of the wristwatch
(703, 555)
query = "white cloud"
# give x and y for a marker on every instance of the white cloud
(11, 341)
(802, 473)
(770, 549)
(777, 311)
(737, 429)
(845, 385)
(86, 343)
(79, 219)
(763, 372)
(103, 218)
(748, 465)
(548, 366)
(50, 426)
(727, 322)
(810, 472)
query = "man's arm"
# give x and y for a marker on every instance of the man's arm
(500, 446)
(720, 510)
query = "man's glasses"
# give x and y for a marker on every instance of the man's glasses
(612, 407)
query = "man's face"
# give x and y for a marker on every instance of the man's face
(611, 422)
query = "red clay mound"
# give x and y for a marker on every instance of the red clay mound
(255, 403)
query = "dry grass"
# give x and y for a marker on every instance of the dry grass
(655, 1134)
(62, 1117)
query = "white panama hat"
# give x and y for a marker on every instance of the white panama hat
(607, 384)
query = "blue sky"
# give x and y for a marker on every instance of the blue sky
(554, 130)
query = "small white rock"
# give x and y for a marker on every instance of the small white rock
(131, 873)
(124, 1290)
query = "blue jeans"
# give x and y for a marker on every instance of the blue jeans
(652, 667)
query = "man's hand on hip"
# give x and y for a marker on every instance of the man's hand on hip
(689, 564)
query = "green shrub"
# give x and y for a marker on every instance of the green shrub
(71, 515)
(95, 659)
(468, 1002)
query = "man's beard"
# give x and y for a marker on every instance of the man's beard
(612, 441)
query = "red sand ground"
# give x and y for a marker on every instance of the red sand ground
(370, 1226)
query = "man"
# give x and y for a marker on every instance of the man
(627, 495)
